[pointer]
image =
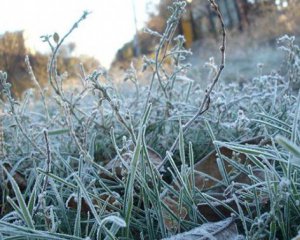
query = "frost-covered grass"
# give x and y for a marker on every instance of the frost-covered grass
(102, 164)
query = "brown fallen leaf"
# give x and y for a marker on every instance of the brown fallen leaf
(225, 229)
(155, 157)
(170, 223)
(208, 165)
(19, 178)
(73, 202)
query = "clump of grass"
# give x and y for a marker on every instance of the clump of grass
(55, 185)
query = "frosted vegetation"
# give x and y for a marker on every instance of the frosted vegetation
(97, 163)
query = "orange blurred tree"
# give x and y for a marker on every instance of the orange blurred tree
(12, 60)
(12, 55)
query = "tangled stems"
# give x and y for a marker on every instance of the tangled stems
(206, 100)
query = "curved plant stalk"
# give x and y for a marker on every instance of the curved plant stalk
(52, 65)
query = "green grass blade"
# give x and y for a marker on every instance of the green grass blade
(22, 205)
(290, 147)
(128, 197)
(88, 199)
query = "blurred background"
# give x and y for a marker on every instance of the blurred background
(112, 37)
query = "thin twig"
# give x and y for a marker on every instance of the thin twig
(33, 78)
(47, 170)
(48, 161)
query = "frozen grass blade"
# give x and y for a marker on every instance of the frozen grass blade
(210, 204)
(220, 161)
(15, 206)
(256, 151)
(274, 120)
(146, 200)
(88, 199)
(62, 207)
(179, 177)
(114, 219)
(92, 145)
(255, 193)
(26, 216)
(77, 225)
(129, 190)
(192, 171)
(291, 147)
(33, 195)
(181, 147)
(155, 178)
(273, 126)
(15, 231)
(241, 214)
